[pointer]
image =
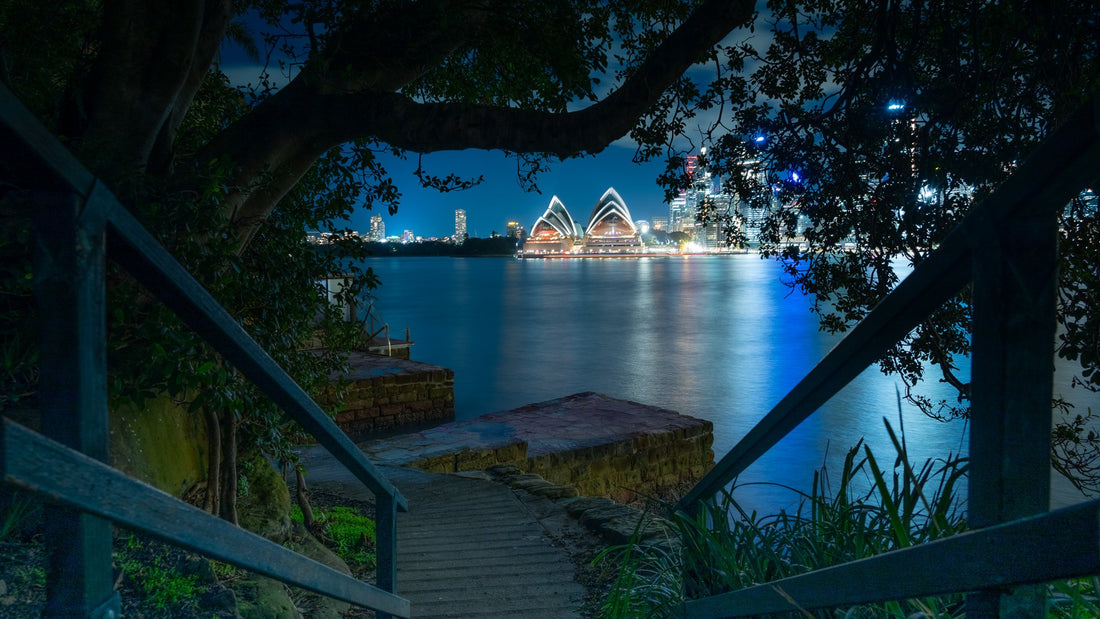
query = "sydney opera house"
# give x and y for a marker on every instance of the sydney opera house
(610, 230)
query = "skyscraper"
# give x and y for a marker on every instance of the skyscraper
(460, 226)
(377, 228)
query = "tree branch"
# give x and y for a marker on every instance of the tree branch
(322, 120)
(216, 16)
(147, 55)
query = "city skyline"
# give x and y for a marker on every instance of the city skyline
(500, 198)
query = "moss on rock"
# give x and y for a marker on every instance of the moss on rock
(259, 597)
(265, 508)
(160, 443)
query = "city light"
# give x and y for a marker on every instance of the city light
(895, 105)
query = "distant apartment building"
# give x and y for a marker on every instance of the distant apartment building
(660, 223)
(460, 226)
(408, 237)
(377, 228)
(516, 231)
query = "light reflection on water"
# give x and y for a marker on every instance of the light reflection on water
(719, 338)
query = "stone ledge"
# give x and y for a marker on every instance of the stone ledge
(602, 446)
(386, 394)
(613, 522)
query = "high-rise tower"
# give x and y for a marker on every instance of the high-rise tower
(460, 226)
(377, 228)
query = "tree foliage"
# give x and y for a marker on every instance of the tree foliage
(231, 178)
(869, 130)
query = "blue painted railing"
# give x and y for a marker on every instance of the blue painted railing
(78, 223)
(1006, 248)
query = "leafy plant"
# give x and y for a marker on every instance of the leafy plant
(351, 534)
(866, 511)
(1075, 599)
(163, 587)
(17, 511)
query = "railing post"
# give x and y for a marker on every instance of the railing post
(1015, 277)
(385, 527)
(70, 291)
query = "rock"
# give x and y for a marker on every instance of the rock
(259, 597)
(219, 600)
(314, 605)
(265, 510)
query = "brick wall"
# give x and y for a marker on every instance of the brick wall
(395, 394)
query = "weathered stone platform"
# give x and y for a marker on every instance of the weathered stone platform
(388, 393)
(602, 446)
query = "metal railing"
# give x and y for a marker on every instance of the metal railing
(78, 222)
(1007, 248)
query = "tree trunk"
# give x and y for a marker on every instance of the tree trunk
(302, 494)
(212, 503)
(229, 470)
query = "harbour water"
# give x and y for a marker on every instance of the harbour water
(716, 337)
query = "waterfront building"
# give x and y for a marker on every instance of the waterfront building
(408, 237)
(555, 232)
(377, 228)
(660, 223)
(610, 227)
(460, 226)
(610, 230)
(516, 231)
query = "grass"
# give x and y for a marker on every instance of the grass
(351, 534)
(867, 510)
(162, 587)
(19, 513)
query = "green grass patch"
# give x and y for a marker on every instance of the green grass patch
(866, 510)
(350, 534)
(162, 586)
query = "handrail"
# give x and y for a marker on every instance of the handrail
(1051, 176)
(36, 463)
(1007, 246)
(41, 162)
(134, 248)
(1060, 544)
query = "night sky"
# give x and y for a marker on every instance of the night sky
(579, 183)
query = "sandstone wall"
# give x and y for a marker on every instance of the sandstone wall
(650, 465)
(395, 400)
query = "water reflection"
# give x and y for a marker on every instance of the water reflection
(719, 338)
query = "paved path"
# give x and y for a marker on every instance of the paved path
(467, 547)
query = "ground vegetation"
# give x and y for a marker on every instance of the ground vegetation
(231, 178)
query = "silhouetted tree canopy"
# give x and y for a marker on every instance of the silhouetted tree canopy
(231, 178)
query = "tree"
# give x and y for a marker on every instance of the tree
(230, 179)
(879, 125)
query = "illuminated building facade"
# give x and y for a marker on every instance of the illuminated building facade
(610, 227)
(516, 231)
(460, 226)
(610, 230)
(377, 228)
(555, 232)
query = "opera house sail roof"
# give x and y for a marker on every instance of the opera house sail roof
(611, 222)
(610, 230)
(555, 224)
